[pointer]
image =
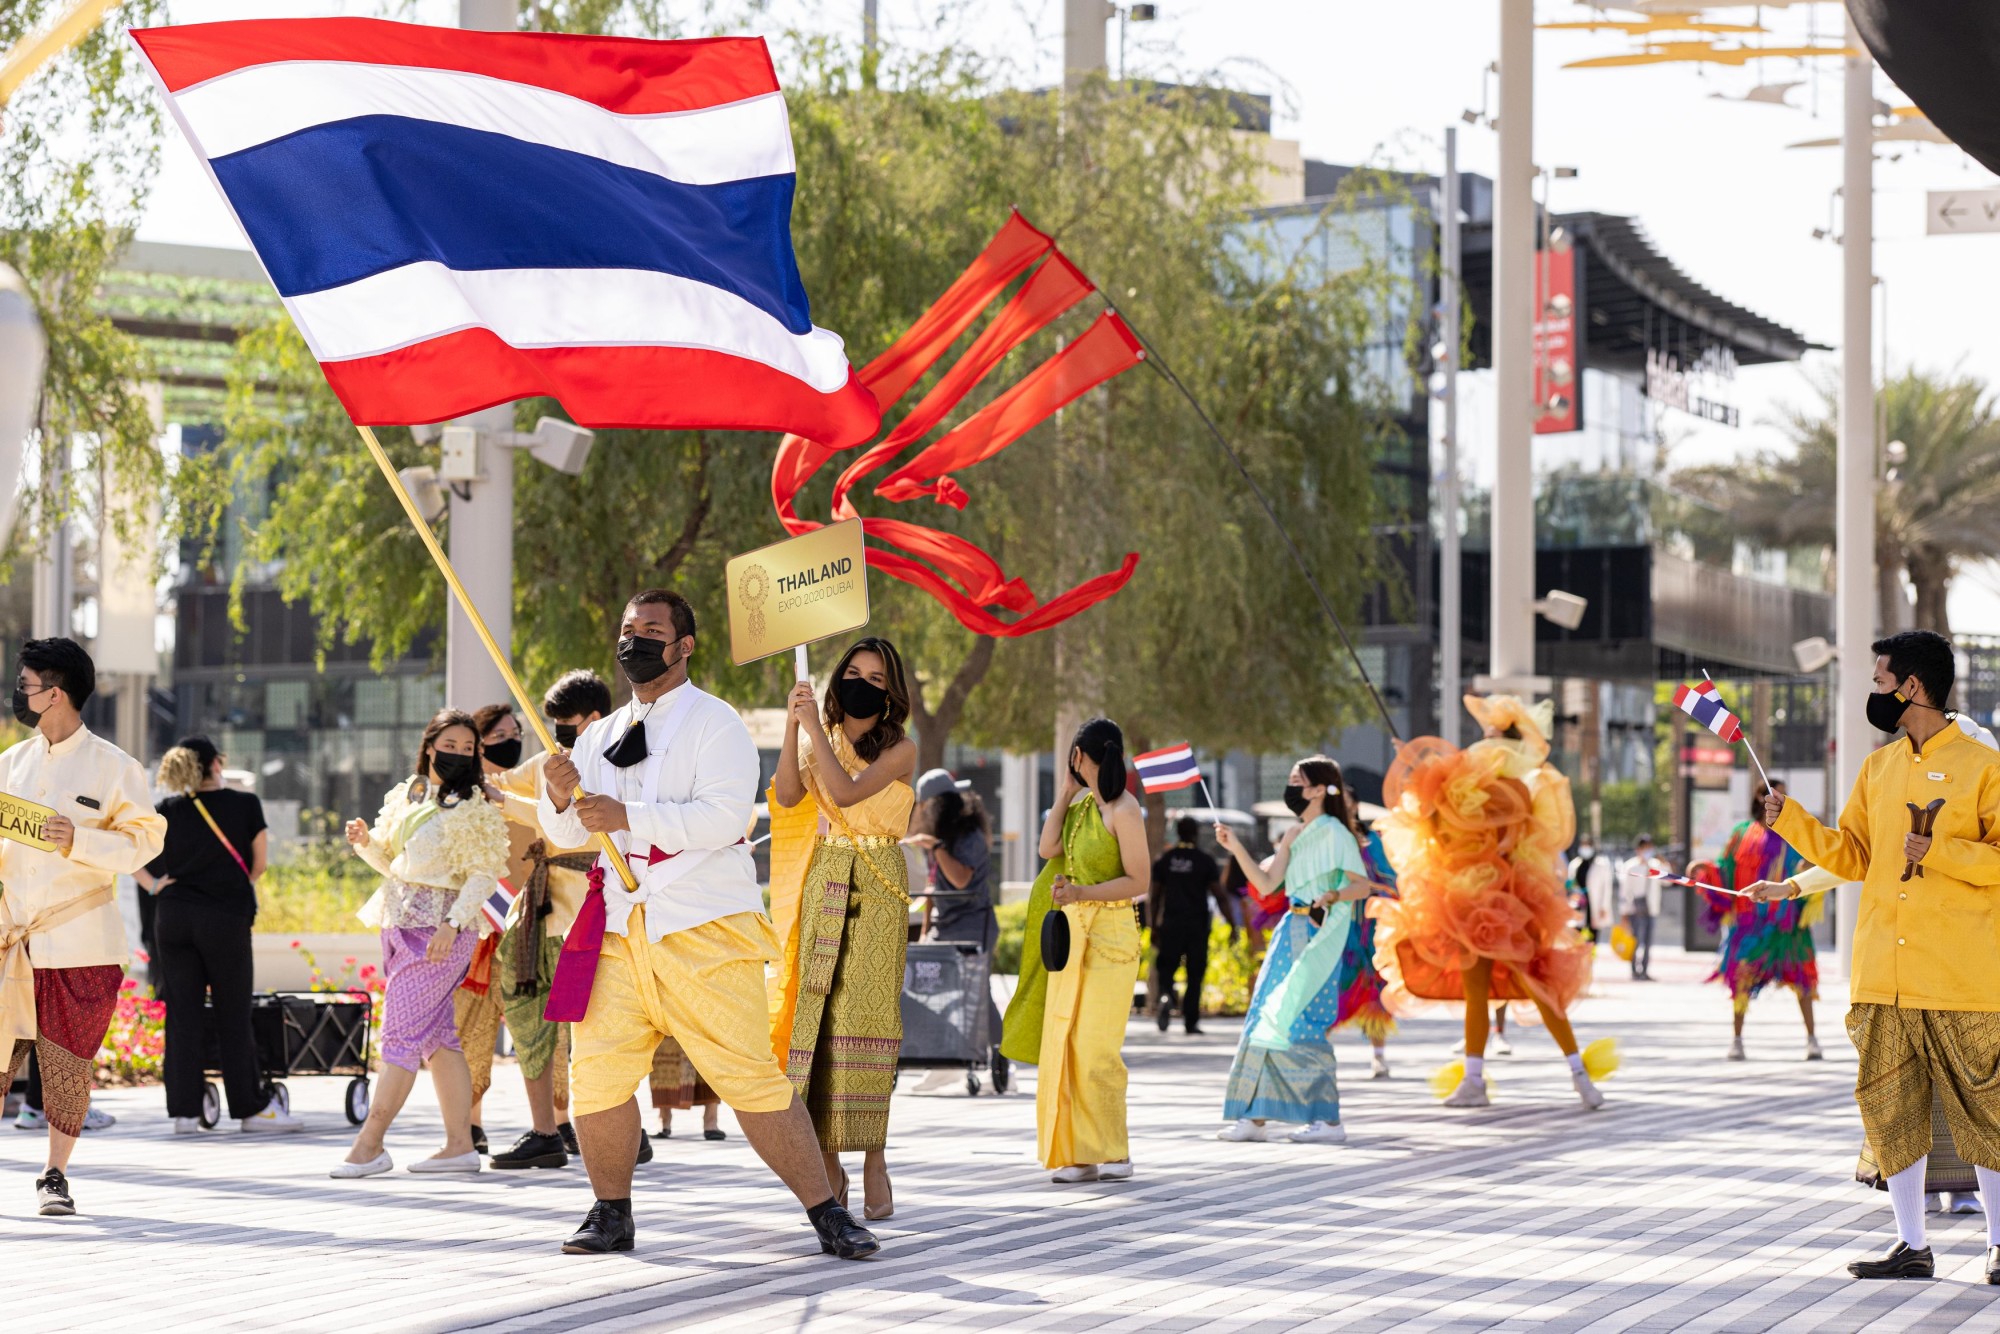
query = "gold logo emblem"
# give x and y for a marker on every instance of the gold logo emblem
(752, 587)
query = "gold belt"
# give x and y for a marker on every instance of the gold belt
(1301, 909)
(862, 840)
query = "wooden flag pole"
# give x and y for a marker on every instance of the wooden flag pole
(529, 709)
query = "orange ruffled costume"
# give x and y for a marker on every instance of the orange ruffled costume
(1476, 836)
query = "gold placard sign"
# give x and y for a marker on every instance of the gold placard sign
(797, 591)
(22, 822)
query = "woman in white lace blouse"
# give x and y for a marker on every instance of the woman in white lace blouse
(440, 845)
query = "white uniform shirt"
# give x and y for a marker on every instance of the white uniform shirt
(702, 770)
(103, 792)
(1599, 891)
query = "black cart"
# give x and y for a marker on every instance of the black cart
(301, 1033)
(946, 992)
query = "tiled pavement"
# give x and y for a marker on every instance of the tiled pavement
(1706, 1196)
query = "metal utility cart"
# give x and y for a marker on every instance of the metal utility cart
(947, 990)
(301, 1033)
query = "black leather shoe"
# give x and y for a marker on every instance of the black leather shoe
(479, 1139)
(604, 1230)
(1993, 1265)
(568, 1133)
(1902, 1262)
(532, 1150)
(53, 1200)
(645, 1147)
(840, 1235)
(715, 1135)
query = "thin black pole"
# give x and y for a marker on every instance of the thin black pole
(1159, 363)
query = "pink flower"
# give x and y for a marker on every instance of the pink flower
(142, 956)
(297, 944)
(349, 961)
(129, 984)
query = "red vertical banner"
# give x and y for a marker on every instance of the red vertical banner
(1557, 356)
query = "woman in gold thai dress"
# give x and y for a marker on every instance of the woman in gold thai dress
(1072, 1022)
(840, 898)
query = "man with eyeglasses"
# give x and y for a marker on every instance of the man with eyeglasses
(62, 940)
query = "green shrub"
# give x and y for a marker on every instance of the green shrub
(1225, 989)
(1013, 929)
(314, 895)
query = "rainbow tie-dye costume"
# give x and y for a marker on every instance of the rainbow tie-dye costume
(1762, 943)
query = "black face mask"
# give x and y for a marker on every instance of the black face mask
(24, 715)
(861, 698)
(1295, 798)
(1886, 709)
(455, 773)
(506, 754)
(566, 735)
(642, 659)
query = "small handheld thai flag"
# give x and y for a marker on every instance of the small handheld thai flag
(457, 219)
(1703, 703)
(497, 904)
(1168, 770)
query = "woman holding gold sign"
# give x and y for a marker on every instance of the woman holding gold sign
(839, 812)
(1068, 1015)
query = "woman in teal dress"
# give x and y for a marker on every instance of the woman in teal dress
(1284, 1068)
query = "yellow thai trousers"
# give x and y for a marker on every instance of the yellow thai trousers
(1080, 1087)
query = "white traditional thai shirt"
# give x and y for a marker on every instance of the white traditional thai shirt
(438, 863)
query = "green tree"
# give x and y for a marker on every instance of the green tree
(1937, 510)
(900, 187)
(79, 143)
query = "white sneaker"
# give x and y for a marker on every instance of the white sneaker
(1962, 1202)
(1736, 1049)
(186, 1125)
(1933, 1202)
(1069, 1176)
(463, 1162)
(1458, 1047)
(1379, 1067)
(942, 1079)
(1118, 1171)
(1592, 1098)
(96, 1120)
(374, 1167)
(30, 1119)
(272, 1120)
(1500, 1046)
(1469, 1093)
(1813, 1053)
(1320, 1132)
(1244, 1131)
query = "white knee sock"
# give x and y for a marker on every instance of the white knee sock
(1989, 1199)
(1906, 1197)
(1475, 1067)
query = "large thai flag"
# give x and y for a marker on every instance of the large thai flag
(458, 219)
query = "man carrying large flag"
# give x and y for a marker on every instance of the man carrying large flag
(460, 219)
(1926, 980)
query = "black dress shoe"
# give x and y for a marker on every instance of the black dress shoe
(1194, 1030)
(717, 1134)
(568, 1133)
(840, 1235)
(645, 1147)
(479, 1139)
(53, 1200)
(604, 1230)
(1993, 1265)
(1901, 1262)
(532, 1150)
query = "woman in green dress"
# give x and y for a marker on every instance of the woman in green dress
(1072, 1023)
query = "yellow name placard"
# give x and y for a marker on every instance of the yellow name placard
(22, 821)
(797, 591)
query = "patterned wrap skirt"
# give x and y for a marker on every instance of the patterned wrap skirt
(847, 1029)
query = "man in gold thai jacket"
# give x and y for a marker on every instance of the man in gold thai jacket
(1925, 987)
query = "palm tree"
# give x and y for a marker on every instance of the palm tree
(1937, 509)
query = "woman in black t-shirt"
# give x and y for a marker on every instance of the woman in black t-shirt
(206, 879)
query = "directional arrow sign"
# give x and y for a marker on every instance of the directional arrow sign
(1952, 212)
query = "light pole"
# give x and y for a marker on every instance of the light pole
(1511, 659)
(1855, 475)
(1451, 647)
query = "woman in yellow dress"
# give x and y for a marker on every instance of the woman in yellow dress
(1072, 1022)
(837, 828)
